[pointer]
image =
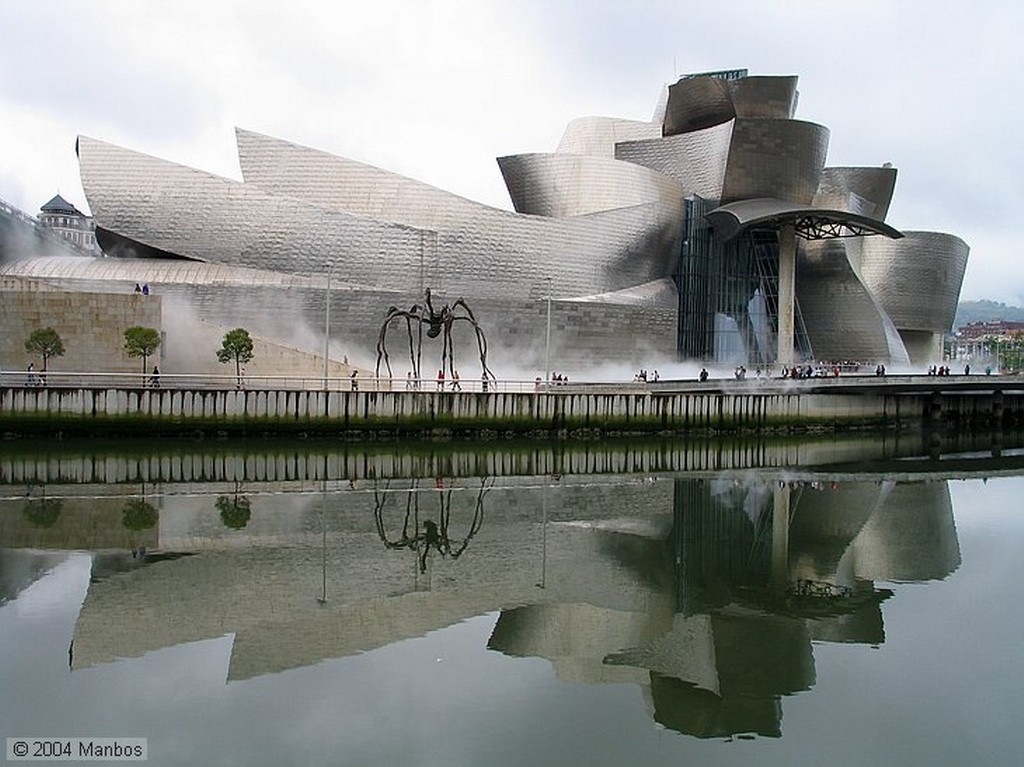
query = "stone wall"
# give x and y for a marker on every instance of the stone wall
(192, 345)
(91, 325)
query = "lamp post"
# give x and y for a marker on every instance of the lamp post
(547, 340)
(327, 327)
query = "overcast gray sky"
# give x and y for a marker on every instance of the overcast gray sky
(436, 90)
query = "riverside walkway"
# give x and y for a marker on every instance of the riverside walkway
(131, 404)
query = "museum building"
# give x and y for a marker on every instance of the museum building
(714, 232)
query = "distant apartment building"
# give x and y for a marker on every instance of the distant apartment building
(65, 220)
(976, 339)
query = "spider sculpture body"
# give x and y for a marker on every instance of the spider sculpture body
(434, 535)
(424, 319)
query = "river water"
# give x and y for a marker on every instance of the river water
(840, 602)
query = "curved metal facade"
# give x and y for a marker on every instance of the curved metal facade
(613, 224)
(599, 136)
(338, 183)
(697, 160)
(844, 320)
(775, 158)
(695, 103)
(865, 191)
(474, 249)
(917, 279)
(562, 185)
(766, 97)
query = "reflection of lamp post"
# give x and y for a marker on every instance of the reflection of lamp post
(547, 340)
(322, 599)
(780, 538)
(544, 537)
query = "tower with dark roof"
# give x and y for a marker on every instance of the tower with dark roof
(65, 220)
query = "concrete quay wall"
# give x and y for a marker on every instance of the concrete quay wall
(566, 410)
(121, 410)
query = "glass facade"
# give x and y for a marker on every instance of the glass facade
(728, 294)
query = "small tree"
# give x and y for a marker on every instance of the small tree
(234, 512)
(139, 515)
(46, 343)
(236, 345)
(141, 342)
(43, 512)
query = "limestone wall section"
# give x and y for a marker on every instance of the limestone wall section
(91, 325)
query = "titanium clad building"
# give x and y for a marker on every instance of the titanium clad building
(714, 232)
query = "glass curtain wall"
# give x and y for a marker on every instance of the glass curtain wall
(728, 294)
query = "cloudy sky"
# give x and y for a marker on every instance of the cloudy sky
(436, 90)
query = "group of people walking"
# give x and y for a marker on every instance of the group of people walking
(642, 377)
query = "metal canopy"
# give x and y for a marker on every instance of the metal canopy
(810, 223)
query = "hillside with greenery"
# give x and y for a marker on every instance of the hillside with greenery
(981, 311)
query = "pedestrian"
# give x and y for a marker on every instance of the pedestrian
(703, 374)
(456, 386)
(355, 380)
(30, 377)
(145, 288)
(154, 378)
(138, 288)
(409, 382)
(967, 370)
(440, 379)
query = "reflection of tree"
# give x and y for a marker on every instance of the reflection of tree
(43, 512)
(139, 515)
(434, 534)
(234, 511)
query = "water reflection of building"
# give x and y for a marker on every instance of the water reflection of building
(59, 521)
(748, 604)
(688, 588)
(19, 569)
(265, 589)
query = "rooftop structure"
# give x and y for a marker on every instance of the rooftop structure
(65, 220)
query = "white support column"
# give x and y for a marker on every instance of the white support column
(787, 294)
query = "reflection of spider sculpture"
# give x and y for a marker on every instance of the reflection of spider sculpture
(434, 536)
(437, 323)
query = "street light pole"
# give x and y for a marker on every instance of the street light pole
(327, 328)
(547, 341)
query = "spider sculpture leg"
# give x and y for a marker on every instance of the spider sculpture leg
(382, 348)
(481, 341)
(410, 316)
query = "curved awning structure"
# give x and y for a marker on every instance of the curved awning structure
(810, 223)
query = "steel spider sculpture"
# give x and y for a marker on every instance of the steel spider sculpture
(434, 535)
(434, 323)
